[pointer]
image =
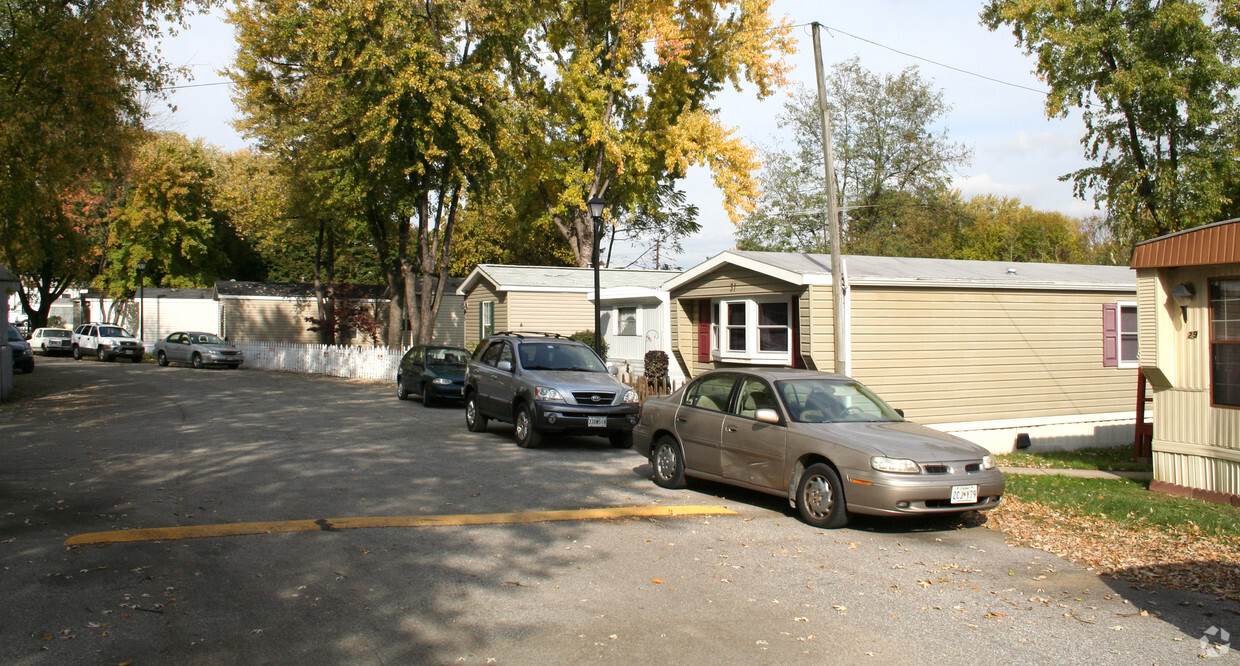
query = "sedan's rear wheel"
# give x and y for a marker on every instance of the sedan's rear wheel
(474, 420)
(820, 497)
(669, 463)
(162, 359)
(523, 428)
(197, 360)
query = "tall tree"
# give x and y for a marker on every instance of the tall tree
(1155, 83)
(615, 101)
(73, 74)
(388, 110)
(892, 161)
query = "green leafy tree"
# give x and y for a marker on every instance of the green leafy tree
(1003, 229)
(73, 76)
(614, 101)
(388, 111)
(1155, 83)
(892, 167)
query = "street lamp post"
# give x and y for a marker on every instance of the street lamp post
(596, 206)
(141, 293)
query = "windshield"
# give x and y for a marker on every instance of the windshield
(55, 333)
(446, 356)
(113, 332)
(205, 338)
(558, 356)
(833, 401)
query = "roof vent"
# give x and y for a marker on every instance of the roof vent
(1011, 270)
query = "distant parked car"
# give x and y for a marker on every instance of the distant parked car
(824, 441)
(106, 342)
(199, 349)
(23, 357)
(433, 372)
(52, 341)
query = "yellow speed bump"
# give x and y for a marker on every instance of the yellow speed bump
(332, 524)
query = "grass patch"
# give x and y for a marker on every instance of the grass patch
(1111, 459)
(1128, 503)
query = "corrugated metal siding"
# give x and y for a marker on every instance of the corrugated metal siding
(1217, 243)
(957, 355)
(549, 312)
(1200, 472)
(1187, 416)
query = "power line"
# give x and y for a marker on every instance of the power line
(935, 62)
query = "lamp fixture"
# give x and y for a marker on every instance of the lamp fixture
(1183, 292)
(596, 206)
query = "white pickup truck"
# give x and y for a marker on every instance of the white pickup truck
(105, 342)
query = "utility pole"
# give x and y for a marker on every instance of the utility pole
(833, 213)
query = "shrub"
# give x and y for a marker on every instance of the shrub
(656, 364)
(587, 337)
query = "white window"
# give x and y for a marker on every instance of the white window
(626, 321)
(1128, 346)
(486, 318)
(753, 330)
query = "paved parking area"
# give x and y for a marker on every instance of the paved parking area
(94, 447)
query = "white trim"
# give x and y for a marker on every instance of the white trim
(1119, 335)
(634, 294)
(1033, 422)
(752, 353)
(792, 277)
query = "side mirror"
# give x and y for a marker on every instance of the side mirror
(900, 412)
(506, 366)
(614, 370)
(766, 415)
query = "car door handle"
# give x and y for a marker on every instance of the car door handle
(730, 429)
(681, 419)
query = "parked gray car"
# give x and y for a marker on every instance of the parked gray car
(545, 383)
(826, 442)
(199, 349)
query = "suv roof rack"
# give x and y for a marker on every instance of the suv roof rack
(522, 334)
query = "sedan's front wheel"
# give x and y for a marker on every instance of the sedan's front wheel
(402, 393)
(474, 420)
(523, 428)
(197, 360)
(820, 497)
(668, 463)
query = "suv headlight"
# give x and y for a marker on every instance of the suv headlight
(547, 393)
(898, 465)
(988, 462)
(630, 396)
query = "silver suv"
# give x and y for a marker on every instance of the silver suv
(544, 383)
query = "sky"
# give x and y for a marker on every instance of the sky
(1017, 150)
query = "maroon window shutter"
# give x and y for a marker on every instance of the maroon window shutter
(797, 360)
(703, 350)
(1110, 336)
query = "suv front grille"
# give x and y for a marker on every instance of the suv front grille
(594, 397)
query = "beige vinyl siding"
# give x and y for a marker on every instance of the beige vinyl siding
(818, 328)
(550, 312)
(268, 320)
(450, 320)
(950, 355)
(482, 291)
(729, 281)
(1195, 444)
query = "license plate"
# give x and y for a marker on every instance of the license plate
(601, 422)
(964, 494)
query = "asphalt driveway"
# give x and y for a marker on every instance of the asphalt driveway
(90, 447)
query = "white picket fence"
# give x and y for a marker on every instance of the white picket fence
(376, 363)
